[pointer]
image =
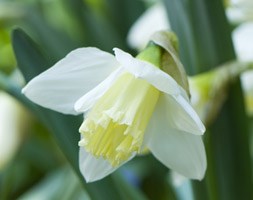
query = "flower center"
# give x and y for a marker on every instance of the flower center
(115, 126)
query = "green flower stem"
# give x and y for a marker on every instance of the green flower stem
(205, 42)
(152, 54)
(214, 86)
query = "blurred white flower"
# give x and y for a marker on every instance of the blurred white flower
(243, 42)
(12, 123)
(129, 104)
(153, 20)
(240, 11)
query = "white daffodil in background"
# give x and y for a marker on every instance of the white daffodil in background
(13, 120)
(129, 105)
(151, 21)
(243, 42)
(239, 11)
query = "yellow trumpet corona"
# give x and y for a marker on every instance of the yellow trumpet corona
(115, 127)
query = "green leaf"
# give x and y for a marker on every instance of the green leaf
(31, 62)
(130, 191)
(113, 17)
(28, 54)
(122, 14)
(55, 186)
(56, 42)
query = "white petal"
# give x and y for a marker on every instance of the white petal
(144, 70)
(90, 98)
(59, 87)
(94, 169)
(180, 114)
(179, 151)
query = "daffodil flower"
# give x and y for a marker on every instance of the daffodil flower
(129, 106)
